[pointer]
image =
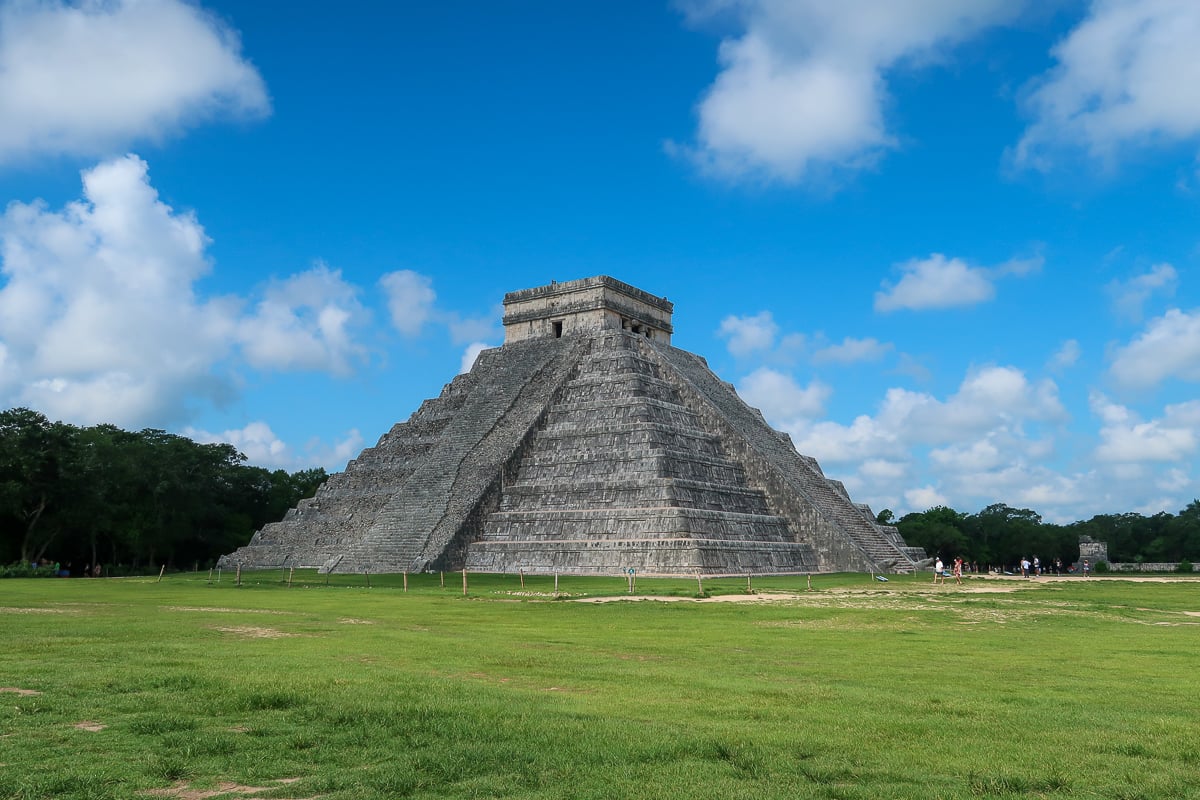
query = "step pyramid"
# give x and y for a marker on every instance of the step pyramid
(586, 444)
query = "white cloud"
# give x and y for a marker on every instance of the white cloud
(87, 78)
(1066, 356)
(97, 314)
(263, 448)
(1129, 297)
(936, 282)
(1125, 438)
(410, 299)
(924, 498)
(305, 321)
(470, 354)
(100, 320)
(852, 351)
(989, 400)
(779, 397)
(1126, 75)
(748, 335)
(803, 86)
(1168, 347)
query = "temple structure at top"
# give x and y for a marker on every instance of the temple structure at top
(585, 444)
(587, 306)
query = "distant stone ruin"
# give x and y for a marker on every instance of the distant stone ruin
(586, 444)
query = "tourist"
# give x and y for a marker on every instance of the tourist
(938, 569)
(958, 562)
(1086, 568)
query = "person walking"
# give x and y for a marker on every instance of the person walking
(958, 562)
(939, 571)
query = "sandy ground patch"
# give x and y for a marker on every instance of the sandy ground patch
(88, 725)
(184, 790)
(765, 597)
(11, 610)
(223, 610)
(254, 632)
(22, 692)
(353, 621)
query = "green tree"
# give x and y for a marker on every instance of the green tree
(939, 530)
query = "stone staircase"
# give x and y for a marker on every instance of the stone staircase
(621, 475)
(828, 499)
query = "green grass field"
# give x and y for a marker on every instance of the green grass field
(855, 689)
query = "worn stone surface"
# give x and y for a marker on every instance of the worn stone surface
(590, 446)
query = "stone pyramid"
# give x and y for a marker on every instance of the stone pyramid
(586, 444)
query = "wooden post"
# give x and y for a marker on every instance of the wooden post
(521, 572)
(556, 583)
(699, 583)
(367, 574)
(160, 573)
(749, 585)
(464, 581)
(210, 576)
(810, 581)
(442, 576)
(218, 574)
(239, 575)
(406, 581)
(291, 572)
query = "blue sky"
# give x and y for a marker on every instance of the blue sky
(950, 248)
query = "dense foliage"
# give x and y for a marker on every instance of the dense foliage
(102, 494)
(1001, 535)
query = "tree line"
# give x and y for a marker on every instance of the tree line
(1000, 535)
(140, 499)
(137, 499)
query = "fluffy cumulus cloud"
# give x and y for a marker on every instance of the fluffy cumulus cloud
(305, 321)
(1168, 347)
(779, 397)
(263, 448)
(936, 282)
(98, 319)
(803, 84)
(1126, 438)
(85, 78)
(410, 299)
(1126, 75)
(747, 335)
(983, 438)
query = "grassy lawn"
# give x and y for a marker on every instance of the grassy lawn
(855, 689)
